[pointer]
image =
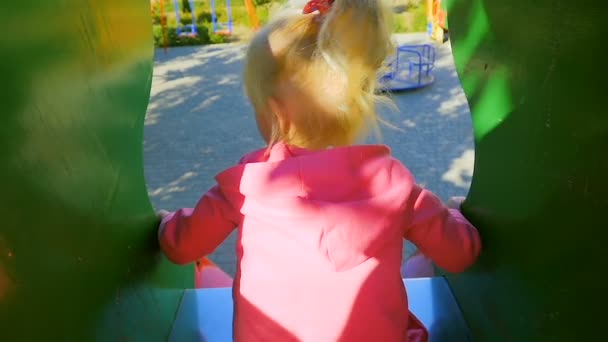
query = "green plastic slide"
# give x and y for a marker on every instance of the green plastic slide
(78, 233)
(532, 72)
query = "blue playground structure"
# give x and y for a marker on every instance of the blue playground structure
(180, 27)
(223, 28)
(410, 68)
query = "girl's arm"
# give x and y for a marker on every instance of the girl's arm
(189, 234)
(442, 234)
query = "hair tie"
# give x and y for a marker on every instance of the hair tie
(323, 6)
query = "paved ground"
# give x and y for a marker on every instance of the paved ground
(199, 123)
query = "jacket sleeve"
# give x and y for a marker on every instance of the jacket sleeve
(190, 234)
(444, 235)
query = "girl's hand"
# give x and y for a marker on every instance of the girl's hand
(455, 202)
(418, 266)
(161, 214)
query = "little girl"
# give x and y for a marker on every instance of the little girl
(320, 221)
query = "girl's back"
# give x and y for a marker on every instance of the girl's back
(320, 244)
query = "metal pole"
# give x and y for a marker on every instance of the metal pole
(177, 18)
(193, 15)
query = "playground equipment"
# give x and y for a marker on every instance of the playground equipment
(180, 26)
(218, 28)
(437, 25)
(410, 68)
(79, 259)
(208, 275)
(253, 16)
(163, 21)
(224, 28)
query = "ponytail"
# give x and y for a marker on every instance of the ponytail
(333, 59)
(356, 32)
(355, 39)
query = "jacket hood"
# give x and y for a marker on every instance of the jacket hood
(346, 202)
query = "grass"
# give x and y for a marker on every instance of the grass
(408, 15)
(411, 19)
(202, 10)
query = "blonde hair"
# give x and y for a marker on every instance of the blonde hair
(331, 61)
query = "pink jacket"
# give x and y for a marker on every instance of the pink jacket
(320, 242)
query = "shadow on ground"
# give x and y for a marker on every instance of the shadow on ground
(199, 123)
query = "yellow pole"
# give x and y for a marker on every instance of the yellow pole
(253, 16)
(163, 24)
